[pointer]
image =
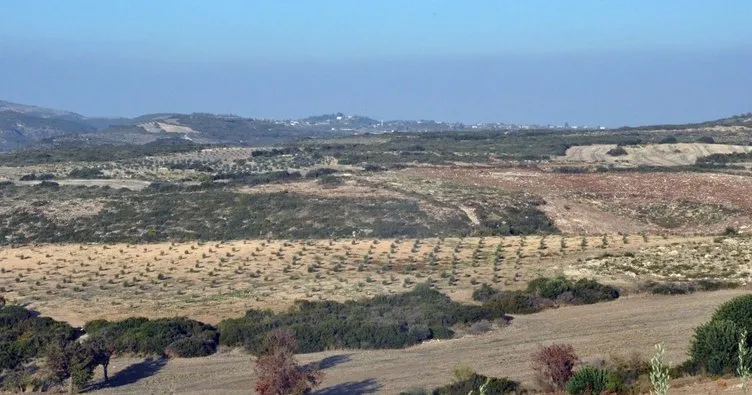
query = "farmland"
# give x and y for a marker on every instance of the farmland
(212, 232)
(651, 155)
(213, 281)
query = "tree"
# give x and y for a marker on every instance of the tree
(101, 348)
(554, 366)
(278, 370)
(71, 361)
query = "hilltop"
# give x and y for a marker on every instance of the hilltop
(23, 126)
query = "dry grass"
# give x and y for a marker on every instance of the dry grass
(213, 281)
(649, 155)
(596, 331)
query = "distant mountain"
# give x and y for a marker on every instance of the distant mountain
(39, 112)
(25, 125)
(23, 128)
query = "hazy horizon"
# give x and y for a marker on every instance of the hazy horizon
(586, 62)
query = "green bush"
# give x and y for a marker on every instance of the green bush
(484, 293)
(464, 387)
(549, 287)
(587, 291)
(141, 336)
(715, 346)
(86, 173)
(583, 291)
(516, 302)
(588, 380)
(618, 151)
(320, 172)
(192, 347)
(668, 140)
(385, 321)
(24, 335)
(737, 310)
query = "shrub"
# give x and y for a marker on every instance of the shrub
(587, 291)
(278, 370)
(331, 180)
(588, 380)
(473, 384)
(737, 310)
(618, 151)
(706, 140)
(70, 360)
(21, 380)
(715, 346)
(668, 140)
(549, 287)
(515, 302)
(141, 336)
(484, 293)
(86, 173)
(462, 372)
(626, 373)
(385, 321)
(583, 291)
(671, 289)
(553, 366)
(24, 335)
(191, 347)
(320, 172)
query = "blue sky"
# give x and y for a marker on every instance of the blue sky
(581, 61)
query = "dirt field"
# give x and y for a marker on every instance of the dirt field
(649, 155)
(214, 281)
(596, 331)
(597, 203)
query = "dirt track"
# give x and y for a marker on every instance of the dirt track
(629, 324)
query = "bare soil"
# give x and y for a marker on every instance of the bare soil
(213, 281)
(649, 155)
(596, 203)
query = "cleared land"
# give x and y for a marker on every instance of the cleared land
(596, 331)
(213, 281)
(649, 155)
(629, 202)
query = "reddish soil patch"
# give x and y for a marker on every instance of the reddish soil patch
(607, 202)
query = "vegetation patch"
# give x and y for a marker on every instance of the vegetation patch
(178, 337)
(545, 292)
(387, 321)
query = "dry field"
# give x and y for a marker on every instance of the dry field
(213, 281)
(649, 155)
(630, 324)
(597, 203)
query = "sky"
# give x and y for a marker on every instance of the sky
(593, 62)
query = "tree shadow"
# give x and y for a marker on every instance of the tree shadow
(328, 362)
(368, 386)
(133, 373)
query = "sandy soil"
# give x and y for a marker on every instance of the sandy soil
(649, 155)
(596, 331)
(213, 281)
